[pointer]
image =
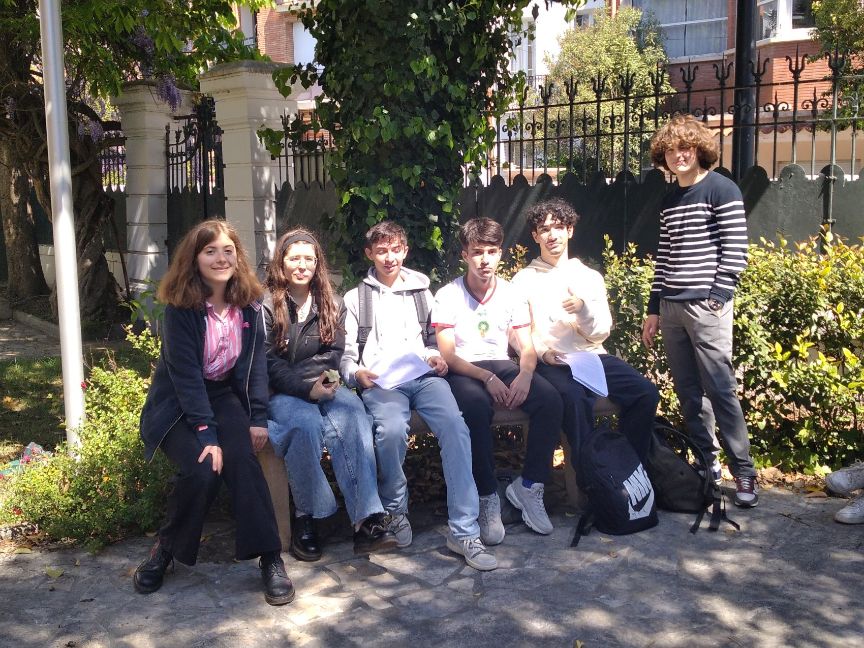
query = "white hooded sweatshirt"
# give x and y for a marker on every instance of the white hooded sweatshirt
(546, 287)
(395, 328)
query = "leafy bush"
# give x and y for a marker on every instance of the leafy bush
(799, 327)
(107, 488)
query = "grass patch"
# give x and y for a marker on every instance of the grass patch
(31, 405)
(31, 408)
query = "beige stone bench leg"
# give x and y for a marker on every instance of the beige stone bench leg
(277, 481)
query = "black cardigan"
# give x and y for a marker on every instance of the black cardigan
(177, 388)
(294, 371)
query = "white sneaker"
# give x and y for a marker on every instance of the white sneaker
(846, 480)
(491, 527)
(852, 513)
(474, 551)
(530, 502)
(400, 527)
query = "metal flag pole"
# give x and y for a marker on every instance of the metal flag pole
(65, 256)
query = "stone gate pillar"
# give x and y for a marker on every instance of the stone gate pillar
(144, 117)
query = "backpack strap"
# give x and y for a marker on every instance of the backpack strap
(365, 316)
(424, 312)
(583, 528)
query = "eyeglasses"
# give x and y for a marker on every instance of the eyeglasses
(297, 260)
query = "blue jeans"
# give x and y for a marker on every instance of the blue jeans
(299, 430)
(434, 402)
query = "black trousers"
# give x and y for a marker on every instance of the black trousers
(196, 485)
(635, 395)
(544, 409)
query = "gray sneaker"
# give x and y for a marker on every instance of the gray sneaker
(846, 480)
(399, 525)
(491, 527)
(530, 502)
(852, 513)
(474, 551)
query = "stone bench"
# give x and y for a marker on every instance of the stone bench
(277, 479)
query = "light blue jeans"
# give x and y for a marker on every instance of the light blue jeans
(434, 402)
(299, 430)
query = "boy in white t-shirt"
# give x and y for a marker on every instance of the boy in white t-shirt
(475, 317)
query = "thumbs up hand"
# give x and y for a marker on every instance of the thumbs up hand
(572, 304)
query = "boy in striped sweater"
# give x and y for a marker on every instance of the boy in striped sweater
(702, 251)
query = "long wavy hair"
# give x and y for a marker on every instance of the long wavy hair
(183, 287)
(277, 282)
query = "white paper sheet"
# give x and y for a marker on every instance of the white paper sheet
(587, 370)
(394, 370)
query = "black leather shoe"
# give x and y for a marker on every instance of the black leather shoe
(305, 544)
(148, 576)
(373, 536)
(278, 589)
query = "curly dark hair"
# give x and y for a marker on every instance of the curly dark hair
(684, 130)
(560, 210)
(322, 291)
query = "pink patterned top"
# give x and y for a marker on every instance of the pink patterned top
(222, 342)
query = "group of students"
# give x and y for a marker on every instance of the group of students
(294, 363)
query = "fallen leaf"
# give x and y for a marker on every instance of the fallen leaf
(53, 572)
(578, 644)
(23, 550)
(817, 494)
(77, 562)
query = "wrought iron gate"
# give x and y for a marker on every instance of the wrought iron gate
(196, 186)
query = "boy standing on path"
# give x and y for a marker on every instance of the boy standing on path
(474, 317)
(702, 252)
(384, 320)
(570, 313)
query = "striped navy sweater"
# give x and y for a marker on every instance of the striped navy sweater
(703, 243)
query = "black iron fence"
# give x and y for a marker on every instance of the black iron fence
(306, 148)
(112, 157)
(195, 170)
(809, 120)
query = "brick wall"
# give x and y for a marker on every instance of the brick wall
(276, 35)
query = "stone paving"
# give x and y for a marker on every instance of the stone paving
(18, 340)
(790, 577)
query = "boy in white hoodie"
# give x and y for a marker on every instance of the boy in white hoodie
(384, 321)
(570, 312)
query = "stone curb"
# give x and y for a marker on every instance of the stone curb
(48, 328)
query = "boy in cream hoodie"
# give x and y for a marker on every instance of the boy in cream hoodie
(383, 321)
(570, 312)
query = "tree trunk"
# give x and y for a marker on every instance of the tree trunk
(24, 269)
(98, 291)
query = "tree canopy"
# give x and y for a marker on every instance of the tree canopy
(610, 49)
(409, 90)
(106, 42)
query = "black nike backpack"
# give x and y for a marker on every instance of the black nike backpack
(681, 482)
(621, 498)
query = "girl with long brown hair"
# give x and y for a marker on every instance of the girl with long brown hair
(207, 407)
(309, 410)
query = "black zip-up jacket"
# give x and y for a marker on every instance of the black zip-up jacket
(294, 371)
(177, 388)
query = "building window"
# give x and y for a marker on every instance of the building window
(780, 17)
(802, 14)
(688, 27)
